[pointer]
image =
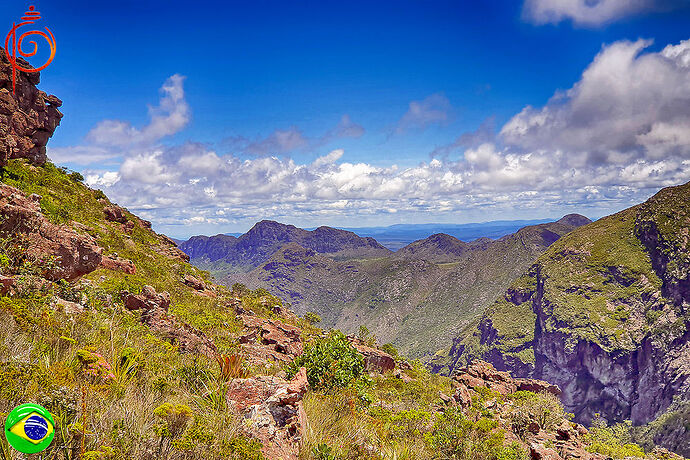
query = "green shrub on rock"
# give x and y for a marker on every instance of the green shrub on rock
(331, 362)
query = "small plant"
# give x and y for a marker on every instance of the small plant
(613, 441)
(331, 362)
(174, 420)
(323, 452)
(231, 367)
(544, 409)
(312, 318)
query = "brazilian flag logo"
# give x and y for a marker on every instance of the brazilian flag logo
(29, 428)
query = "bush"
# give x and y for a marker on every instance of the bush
(614, 441)
(331, 363)
(313, 318)
(456, 437)
(544, 409)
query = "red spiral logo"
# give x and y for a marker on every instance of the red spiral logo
(14, 45)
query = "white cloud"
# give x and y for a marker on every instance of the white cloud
(628, 106)
(616, 136)
(591, 12)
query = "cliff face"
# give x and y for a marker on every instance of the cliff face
(27, 118)
(604, 314)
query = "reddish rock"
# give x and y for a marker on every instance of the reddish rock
(280, 337)
(154, 308)
(244, 393)
(75, 254)
(28, 118)
(194, 282)
(71, 308)
(277, 422)
(115, 214)
(539, 452)
(117, 263)
(6, 284)
(537, 386)
(375, 360)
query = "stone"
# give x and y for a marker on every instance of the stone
(374, 359)
(194, 282)
(116, 263)
(115, 214)
(6, 284)
(29, 117)
(539, 452)
(74, 254)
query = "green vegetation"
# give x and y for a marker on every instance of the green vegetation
(614, 441)
(331, 363)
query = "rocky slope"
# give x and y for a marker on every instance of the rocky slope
(414, 298)
(604, 314)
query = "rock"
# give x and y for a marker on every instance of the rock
(75, 254)
(154, 308)
(539, 452)
(117, 263)
(71, 308)
(273, 334)
(115, 214)
(277, 422)
(244, 393)
(28, 118)
(374, 359)
(194, 282)
(537, 386)
(6, 284)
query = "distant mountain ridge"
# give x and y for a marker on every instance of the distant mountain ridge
(267, 237)
(413, 298)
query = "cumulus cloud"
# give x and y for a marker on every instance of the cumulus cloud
(627, 106)
(434, 109)
(611, 140)
(114, 138)
(291, 139)
(591, 12)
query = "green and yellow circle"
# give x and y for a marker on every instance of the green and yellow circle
(29, 428)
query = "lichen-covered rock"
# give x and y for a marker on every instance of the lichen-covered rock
(28, 118)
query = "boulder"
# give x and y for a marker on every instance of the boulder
(28, 117)
(74, 254)
(375, 360)
(117, 263)
(115, 214)
(194, 282)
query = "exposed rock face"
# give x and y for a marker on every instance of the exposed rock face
(117, 263)
(277, 421)
(27, 118)
(605, 315)
(75, 254)
(270, 340)
(154, 313)
(565, 441)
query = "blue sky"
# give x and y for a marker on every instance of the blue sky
(208, 118)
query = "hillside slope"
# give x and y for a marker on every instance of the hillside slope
(604, 313)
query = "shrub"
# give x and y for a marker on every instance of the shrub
(391, 350)
(544, 409)
(614, 441)
(331, 362)
(312, 317)
(456, 437)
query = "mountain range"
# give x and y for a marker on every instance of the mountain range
(414, 298)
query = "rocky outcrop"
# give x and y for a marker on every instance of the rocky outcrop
(604, 315)
(27, 118)
(117, 263)
(563, 441)
(154, 314)
(278, 420)
(375, 360)
(267, 340)
(66, 254)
